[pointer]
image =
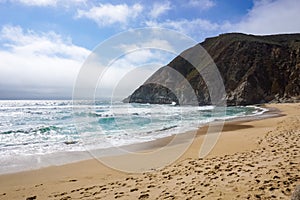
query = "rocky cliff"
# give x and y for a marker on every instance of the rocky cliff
(254, 69)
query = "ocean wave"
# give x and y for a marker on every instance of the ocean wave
(54, 126)
(43, 129)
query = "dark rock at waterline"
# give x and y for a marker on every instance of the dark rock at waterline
(254, 70)
(70, 142)
(155, 94)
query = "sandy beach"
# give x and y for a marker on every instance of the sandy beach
(253, 159)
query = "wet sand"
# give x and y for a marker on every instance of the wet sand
(257, 159)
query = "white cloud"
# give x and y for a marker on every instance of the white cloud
(189, 27)
(108, 14)
(44, 62)
(159, 9)
(45, 3)
(48, 64)
(271, 17)
(201, 4)
(132, 66)
(160, 44)
(37, 2)
(123, 74)
(153, 43)
(121, 82)
(266, 17)
(130, 71)
(44, 44)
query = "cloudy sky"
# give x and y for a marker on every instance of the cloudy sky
(44, 43)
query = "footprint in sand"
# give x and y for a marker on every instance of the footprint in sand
(144, 196)
(31, 198)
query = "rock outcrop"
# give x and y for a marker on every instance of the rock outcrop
(254, 70)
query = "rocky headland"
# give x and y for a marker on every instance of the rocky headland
(254, 70)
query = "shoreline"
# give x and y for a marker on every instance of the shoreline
(241, 141)
(37, 162)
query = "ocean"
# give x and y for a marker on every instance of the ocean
(41, 133)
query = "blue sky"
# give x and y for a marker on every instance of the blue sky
(43, 43)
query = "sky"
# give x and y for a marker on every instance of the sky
(44, 43)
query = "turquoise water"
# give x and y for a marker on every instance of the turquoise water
(31, 128)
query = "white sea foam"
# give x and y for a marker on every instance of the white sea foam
(37, 128)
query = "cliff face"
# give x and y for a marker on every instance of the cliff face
(254, 69)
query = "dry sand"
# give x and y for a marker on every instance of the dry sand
(257, 159)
